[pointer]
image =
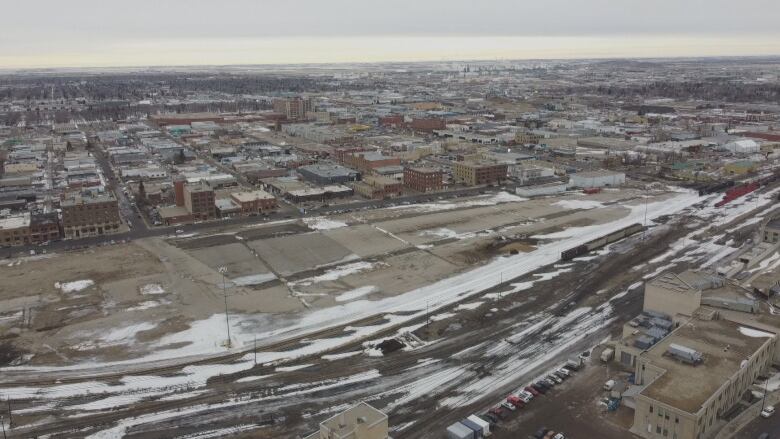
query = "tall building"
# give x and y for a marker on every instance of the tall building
(89, 215)
(199, 201)
(294, 108)
(423, 179)
(475, 173)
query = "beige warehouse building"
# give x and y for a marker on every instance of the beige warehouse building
(696, 350)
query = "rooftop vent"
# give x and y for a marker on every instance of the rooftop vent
(685, 354)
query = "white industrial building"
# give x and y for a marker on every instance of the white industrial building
(594, 179)
(746, 146)
(538, 190)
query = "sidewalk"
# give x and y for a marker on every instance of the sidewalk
(746, 417)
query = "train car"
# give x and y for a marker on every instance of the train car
(598, 243)
(715, 187)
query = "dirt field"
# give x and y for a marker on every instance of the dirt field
(139, 293)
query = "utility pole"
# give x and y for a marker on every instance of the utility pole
(10, 416)
(223, 271)
(2, 424)
(644, 230)
(427, 318)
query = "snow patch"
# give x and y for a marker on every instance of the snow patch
(76, 285)
(356, 293)
(322, 223)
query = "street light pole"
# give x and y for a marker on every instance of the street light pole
(2, 424)
(223, 270)
(644, 230)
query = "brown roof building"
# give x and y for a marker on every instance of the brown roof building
(424, 179)
(475, 173)
(90, 215)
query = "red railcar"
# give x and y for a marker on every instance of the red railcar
(739, 191)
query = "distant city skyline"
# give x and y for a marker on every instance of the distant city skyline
(84, 33)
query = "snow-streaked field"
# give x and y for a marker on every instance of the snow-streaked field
(206, 337)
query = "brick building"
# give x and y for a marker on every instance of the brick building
(199, 201)
(44, 227)
(475, 173)
(254, 202)
(293, 108)
(392, 120)
(90, 215)
(423, 179)
(378, 187)
(15, 230)
(368, 161)
(428, 124)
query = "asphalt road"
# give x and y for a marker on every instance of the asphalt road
(759, 426)
(139, 228)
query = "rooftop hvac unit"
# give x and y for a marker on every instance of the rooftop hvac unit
(684, 354)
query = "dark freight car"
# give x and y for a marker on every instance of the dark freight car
(598, 243)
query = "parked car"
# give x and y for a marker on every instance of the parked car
(515, 401)
(562, 373)
(554, 378)
(544, 384)
(550, 382)
(768, 411)
(530, 389)
(559, 436)
(525, 395)
(490, 417)
(540, 433)
(763, 436)
(498, 412)
(507, 405)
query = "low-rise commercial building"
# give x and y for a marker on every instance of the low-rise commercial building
(694, 376)
(696, 349)
(44, 227)
(596, 179)
(378, 187)
(424, 179)
(15, 230)
(474, 173)
(85, 215)
(325, 174)
(358, 422)
(257, 201)
(368, 161)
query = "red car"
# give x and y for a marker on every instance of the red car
(515, 401)
(532, 391)
(499, 412)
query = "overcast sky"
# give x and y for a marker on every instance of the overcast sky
(170, 32)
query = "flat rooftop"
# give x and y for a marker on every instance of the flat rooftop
(15, 222)
(723, 345)
(600, 173)
(245, 197)
(346, 422)
(78, 199)
(325, 170)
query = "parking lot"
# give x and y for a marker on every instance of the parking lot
(571, 408)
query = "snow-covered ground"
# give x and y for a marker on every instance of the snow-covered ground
(579, 204)
(206, 336)
(74, 286)
(322, 223)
